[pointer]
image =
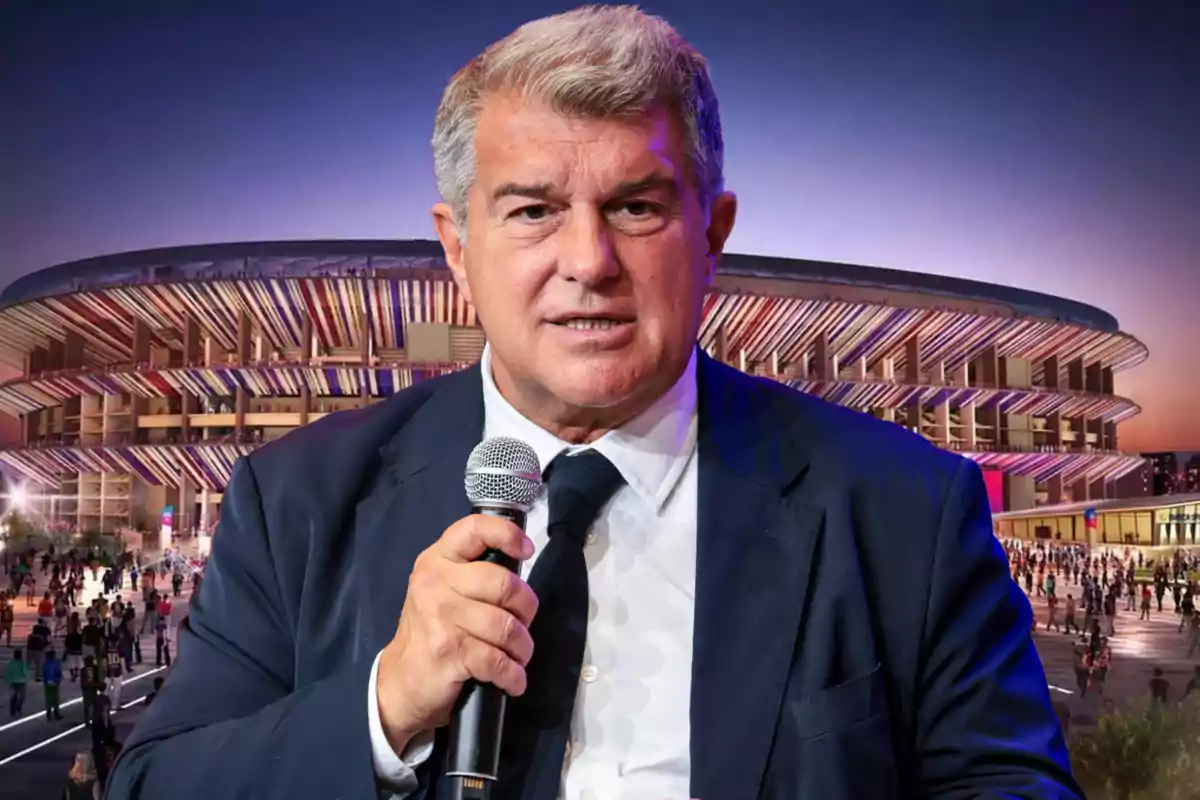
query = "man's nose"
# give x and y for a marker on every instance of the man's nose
(586, 253)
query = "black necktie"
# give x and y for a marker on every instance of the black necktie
(538, 724)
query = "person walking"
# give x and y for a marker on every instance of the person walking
(16, 675)
(52, 676)
(1052, 606)
(91, 684)
(1070, 623)
(7, 615)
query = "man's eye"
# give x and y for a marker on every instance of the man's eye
(532, 213)
(638, 209)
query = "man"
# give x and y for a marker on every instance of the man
(787, 599)
(52, 675)
(16, 675)
(91, 684)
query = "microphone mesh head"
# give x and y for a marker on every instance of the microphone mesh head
(503, 471)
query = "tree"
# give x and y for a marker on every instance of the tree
(103, 542)
(1145, 754)
(21, 532)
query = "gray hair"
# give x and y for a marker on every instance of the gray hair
(593, 62)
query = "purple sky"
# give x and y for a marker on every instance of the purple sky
(1050, 150)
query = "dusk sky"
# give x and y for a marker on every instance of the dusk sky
(1045, 144)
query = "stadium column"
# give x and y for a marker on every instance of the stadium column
(1020, 491)
(73, 350)
(884, 370)
(242, 398)
(72, 407)
(173, 497)
(858, 370)
(364, 353)
(966, 411)
(1077, 425)
(821, 362)
(55, 354)
(1052, 380)
(1050, 373)
(204, 541)
(1093, 381)
(1015, 373)
(306, 337)
(1054, 485)
(1093, 377)
(140, 351)
(140, 358)
(912, 377)
(193, 354)
(1108, 430)
(941, 411)
(1079, 490)
(988, 431)
(719, 348)
(35, 364)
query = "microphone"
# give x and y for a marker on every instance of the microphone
(503, 478)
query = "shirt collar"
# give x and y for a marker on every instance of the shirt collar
(651, 451)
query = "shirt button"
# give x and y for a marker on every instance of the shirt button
(589, 674)
(591, 537)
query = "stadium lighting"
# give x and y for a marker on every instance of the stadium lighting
(18, 497)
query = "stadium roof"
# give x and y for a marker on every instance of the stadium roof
(299, 258)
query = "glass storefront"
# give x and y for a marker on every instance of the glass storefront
(1162, 522)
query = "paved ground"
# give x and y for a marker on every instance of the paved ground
(33, 767)
(1138, 647)
(35, 754)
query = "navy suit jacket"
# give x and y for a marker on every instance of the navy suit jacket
(857, 633)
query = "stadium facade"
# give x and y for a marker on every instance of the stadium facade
(145, 375)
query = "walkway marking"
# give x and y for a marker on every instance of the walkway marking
(42, 714)
(63, 735)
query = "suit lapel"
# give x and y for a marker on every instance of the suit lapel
(419, 495)
(755, 540)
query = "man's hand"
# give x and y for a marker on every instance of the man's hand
(461, 620)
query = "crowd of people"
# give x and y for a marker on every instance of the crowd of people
(1106, 581)
(94, 643)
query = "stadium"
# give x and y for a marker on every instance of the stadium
(145, 375)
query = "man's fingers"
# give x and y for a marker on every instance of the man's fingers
(496, 586)
(496, 627)
(488, 664)
(470, 537)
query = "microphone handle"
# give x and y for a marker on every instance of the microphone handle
(477, 722)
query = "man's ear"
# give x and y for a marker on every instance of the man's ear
(720, 224)
(451, 237)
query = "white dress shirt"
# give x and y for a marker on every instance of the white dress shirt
(630, 734)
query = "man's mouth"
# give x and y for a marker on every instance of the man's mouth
(591, 323)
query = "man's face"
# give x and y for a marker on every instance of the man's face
(588, 256)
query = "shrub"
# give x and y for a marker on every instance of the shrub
(1150, 753)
